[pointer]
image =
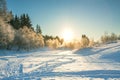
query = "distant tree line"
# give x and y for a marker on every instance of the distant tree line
(82, 43)
(17, 32)
(53, 42)
(108, 38)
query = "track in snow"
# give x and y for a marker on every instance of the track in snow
(86, 64)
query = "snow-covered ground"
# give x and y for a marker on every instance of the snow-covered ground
(97, 63)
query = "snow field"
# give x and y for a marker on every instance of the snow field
(97, 63)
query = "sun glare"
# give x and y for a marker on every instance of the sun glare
(67, 35)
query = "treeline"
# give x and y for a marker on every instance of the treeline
(22, 38)
(17, 32)
(108, 38)
(26, 37)
(87, 42)
(53, 42)
(19, 22)
(82, 43)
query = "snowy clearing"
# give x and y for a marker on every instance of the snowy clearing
(98, 63)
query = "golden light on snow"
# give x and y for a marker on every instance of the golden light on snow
(67, 34)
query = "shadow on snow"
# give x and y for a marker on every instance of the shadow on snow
(90, 51)
(106, 74)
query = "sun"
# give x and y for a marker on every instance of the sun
(67, 35)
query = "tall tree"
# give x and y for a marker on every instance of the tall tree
(20, 22)
(28, 21)
(15, 22)
(22, 19)
(38, 29)
(25, 21)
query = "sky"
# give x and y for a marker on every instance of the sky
(90, 17)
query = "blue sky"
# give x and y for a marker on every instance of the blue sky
(90, 17)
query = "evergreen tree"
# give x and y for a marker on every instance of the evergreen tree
(28, 21)
(25, 21)
(20, 22)
(38, 29)
(15, 22)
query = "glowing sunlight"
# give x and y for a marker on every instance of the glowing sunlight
(67, 35)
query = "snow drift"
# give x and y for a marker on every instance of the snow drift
(97, 63)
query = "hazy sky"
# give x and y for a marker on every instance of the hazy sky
(90, 17)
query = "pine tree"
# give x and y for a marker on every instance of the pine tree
(38, 29)
(22, 20)
(15, 22)
(28, 21)
(25, 21)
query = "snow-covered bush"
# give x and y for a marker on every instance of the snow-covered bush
(108, 38)
(84, 41)
(69, 45)
(72, 45)
(113, 37)
(118, 37)
(91, 43)
(77, 44)
(26, 38)
(6, 34)
(52, 43)
(105, 38)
